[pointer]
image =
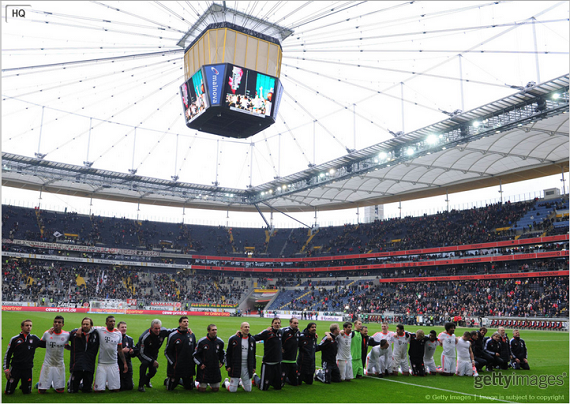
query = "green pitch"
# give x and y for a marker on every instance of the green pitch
(547, 380)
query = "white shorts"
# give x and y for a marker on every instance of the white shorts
(52, 375)
(464, 368)
(345, 368)
(429, 365)
(401, 363)
(107, 374)
(385, 359)
(372, 362)
(448, 364)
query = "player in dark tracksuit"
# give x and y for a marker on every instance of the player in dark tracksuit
(493, 349)
(19, 359)
(329, 349)
(518, 349)
(209, 357)
(238, 368)
(271, 373)
(149, 344)
(82, 356)
(307, 349)
(129, 351)
(179, 351)
(416, 352)
(290, 341)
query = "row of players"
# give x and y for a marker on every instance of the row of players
(289, 355)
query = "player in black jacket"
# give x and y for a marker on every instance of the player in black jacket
(19, 359)
(83, 353)
(366, 342)
(493, 349)
(416, 352)
(329, 349)
(518, 349)
(129, 351)
(506, 355)
(149, 344)
(290, 347)
(271, 374)
(307, 349)
(237, 367)
(179, 350)
(209, 357)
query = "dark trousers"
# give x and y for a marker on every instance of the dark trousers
(127, 380)
(290, 372)
(271, 375)
(306, 377)
(144, 378)
(77, 377)
(24, 376)
(187, 383)
(328, 373)
(418, 368)
(480, 363)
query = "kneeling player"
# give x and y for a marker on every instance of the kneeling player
(465, 358)
(329, 347)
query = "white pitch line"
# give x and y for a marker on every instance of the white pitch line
(437, 388)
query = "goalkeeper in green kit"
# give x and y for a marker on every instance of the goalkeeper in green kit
(356, 351)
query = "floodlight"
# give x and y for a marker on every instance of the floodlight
(410, 152)
(476, 124)
(432, 140)
(383, 156)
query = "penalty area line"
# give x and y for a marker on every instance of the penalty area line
(440, 389)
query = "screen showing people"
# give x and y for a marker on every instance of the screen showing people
(249, 91)
(194, 98)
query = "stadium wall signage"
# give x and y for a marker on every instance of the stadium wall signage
(115, 311)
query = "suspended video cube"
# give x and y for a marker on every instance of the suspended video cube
(232, 85)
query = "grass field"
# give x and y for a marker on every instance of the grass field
(548, 358)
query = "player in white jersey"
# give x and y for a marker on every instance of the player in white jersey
(465, 358)
(343, 356)
(375, 360)
(447, 341)
(53, 368)
(110, 345)
(429, 351)
(378, 358)
(400, 341)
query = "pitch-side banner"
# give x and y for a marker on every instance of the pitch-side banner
(85, 310)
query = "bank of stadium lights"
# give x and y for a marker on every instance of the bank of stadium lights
(410, 151)
(432, 140)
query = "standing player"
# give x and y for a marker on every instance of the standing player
(110, 349)
(53, 368)
(329, 348)
(149, 344)
(210, 357)
(356, 350)
(179, 350)
(83, 353)
(447, 340)
(271, 374)
(399, 354)
(465, 358)
(431, 345)
(128, 345)
(290, 346)
(240, 359)
(19, 359)
(518, 349)
(307, 349)
(344, 357)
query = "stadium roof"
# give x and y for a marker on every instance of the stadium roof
(91, 105)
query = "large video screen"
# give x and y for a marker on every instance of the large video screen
(249, 91)
(194, 98)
